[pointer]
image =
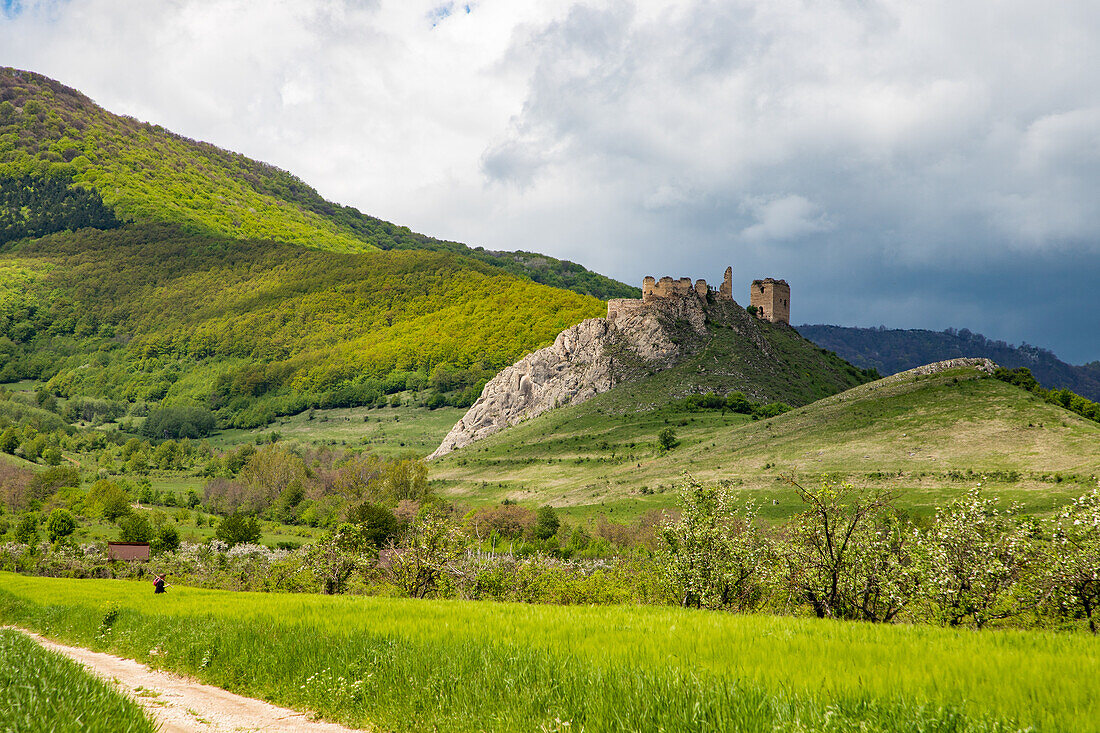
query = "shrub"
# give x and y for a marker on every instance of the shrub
(666, 439)
(60, 525)
(237, 529)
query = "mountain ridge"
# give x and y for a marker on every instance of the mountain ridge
(895, 350)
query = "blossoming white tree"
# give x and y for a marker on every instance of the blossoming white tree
(1075, 569)
(974, 561)
(717, 556)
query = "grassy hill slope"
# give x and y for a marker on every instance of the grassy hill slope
(768, 362)
(144, 173)
(926, 437)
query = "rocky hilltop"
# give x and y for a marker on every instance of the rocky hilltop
(584, 360)
(698, 340)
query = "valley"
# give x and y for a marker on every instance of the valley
(408, 484)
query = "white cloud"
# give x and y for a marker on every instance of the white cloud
(796, 139)
(781, 218)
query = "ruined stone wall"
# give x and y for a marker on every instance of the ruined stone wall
(725, 292)
(772, 299)
(623, 308)
(654, 290)
(666, 287)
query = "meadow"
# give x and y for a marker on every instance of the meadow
(43, 691)
(402, 664)
(928, 438)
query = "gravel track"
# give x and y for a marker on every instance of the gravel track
(182, 705)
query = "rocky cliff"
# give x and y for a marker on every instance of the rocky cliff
(592, 357)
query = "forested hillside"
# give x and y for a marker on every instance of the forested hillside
(56, 141)
(895, 350)
(151, 313)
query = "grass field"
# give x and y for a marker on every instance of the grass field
(43, 691)
(388, 431)
(414, 665)
(928, 438)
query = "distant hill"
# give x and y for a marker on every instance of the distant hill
(895, 350)
(52, 136)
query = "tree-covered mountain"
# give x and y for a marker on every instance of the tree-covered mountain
(895, 350)
(147, 269)
(51, 135)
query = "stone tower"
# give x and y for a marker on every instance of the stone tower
(772, 299)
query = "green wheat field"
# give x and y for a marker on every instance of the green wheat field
(408, 665)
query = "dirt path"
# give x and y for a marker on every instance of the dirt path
(181, 705)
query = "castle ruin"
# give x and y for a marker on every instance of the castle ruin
(772, 298)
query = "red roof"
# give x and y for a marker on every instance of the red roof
(128, 550)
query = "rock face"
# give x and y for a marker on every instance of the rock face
(585, 360)
(982, 365)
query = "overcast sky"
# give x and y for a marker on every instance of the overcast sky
(914, 164)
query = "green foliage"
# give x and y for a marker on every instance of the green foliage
(377, 524)
(165, 539)
(46, 483)
(433, 544)
(257, 330)
(735, 402)
(546, 523)
(59, 525)
(179, 422)
(109, 499)
(31, 206)
(26, 531)
(135, 527)
(715, 553)
(44, 691)
(337, 555)
(238, 529)
(1023, 378)
(667, 440)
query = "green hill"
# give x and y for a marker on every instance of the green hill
(151, 313)
(927, 437)
(144, 267)
(51, 135)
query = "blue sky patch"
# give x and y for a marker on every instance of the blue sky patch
(440, 13)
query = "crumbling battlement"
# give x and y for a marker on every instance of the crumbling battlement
(771, 298)
(666, 288)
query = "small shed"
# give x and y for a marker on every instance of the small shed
(128, 550)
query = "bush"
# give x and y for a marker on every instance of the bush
(27, 529)
(238, 529)
(135, 528)
(60, 525)
(667, 439)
